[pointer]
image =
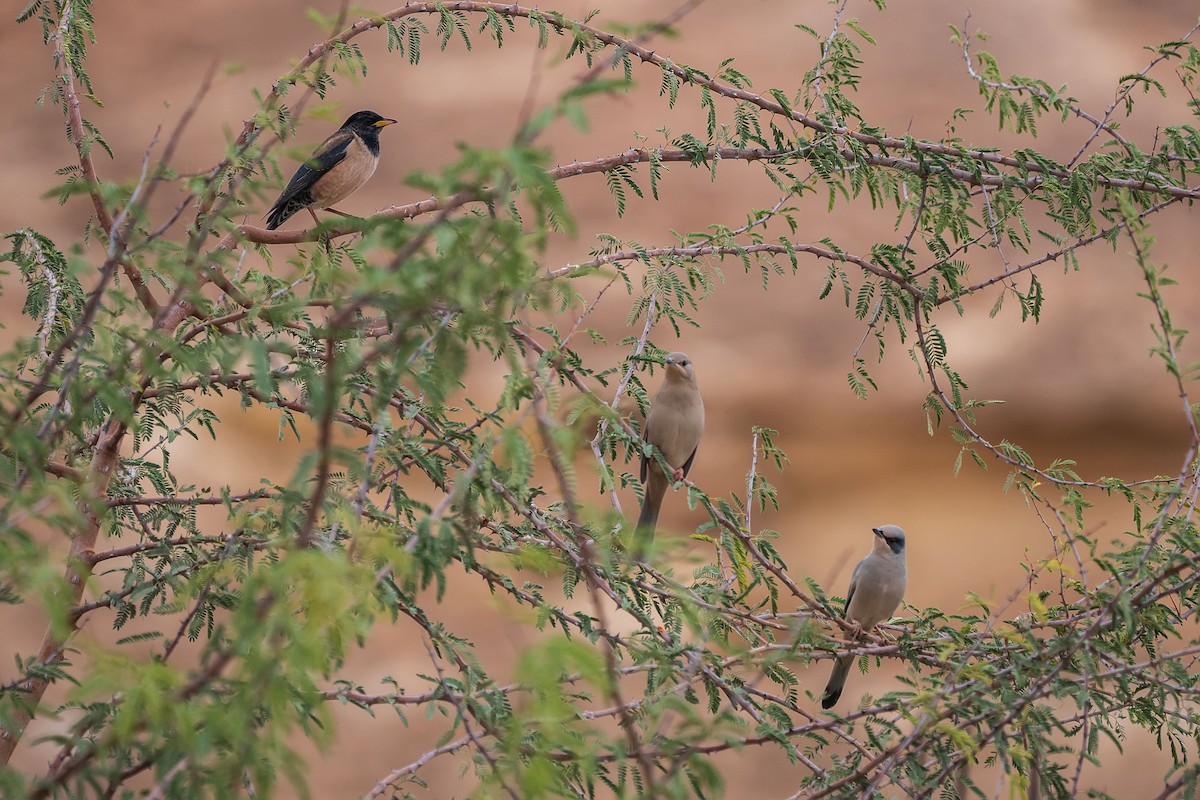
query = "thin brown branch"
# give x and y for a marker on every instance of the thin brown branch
(1054, 102)
(560, 467)
(1121, 96)
(74, 111)
(324, 447)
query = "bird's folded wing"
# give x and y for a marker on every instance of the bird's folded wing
(645, 458)
(327, 156)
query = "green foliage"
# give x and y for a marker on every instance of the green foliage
(413, 473)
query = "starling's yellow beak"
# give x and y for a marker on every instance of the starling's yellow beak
(383, 123)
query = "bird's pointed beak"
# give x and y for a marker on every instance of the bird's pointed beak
(383, 123)
(878, 532)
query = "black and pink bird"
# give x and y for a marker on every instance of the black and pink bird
(335, 170)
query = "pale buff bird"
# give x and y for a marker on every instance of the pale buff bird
(673, 425)
(876, 588)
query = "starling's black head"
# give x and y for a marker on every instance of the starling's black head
(367, 125)
(367, 121)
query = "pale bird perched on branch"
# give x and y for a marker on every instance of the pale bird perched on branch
(876, 588)
(335, 170)
(673, 425)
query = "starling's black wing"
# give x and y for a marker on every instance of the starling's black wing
(296, 196)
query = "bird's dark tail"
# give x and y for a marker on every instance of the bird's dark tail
(285, 208)
(837, 681)
(652, 501)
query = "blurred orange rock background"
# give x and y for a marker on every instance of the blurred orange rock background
(1080, 384)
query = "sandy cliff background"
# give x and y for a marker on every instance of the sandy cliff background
(1079, 384)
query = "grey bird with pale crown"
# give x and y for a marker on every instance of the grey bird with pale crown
(673, 426)
(876, 589)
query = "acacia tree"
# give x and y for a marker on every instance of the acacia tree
(637, 675)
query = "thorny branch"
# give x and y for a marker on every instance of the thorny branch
(699, 663)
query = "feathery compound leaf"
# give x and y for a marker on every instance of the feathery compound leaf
(29, 10)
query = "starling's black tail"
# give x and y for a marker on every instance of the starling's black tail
(285, 207)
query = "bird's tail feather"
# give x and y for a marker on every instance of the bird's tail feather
(643, 534)
(837, 681)
(283, 210)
